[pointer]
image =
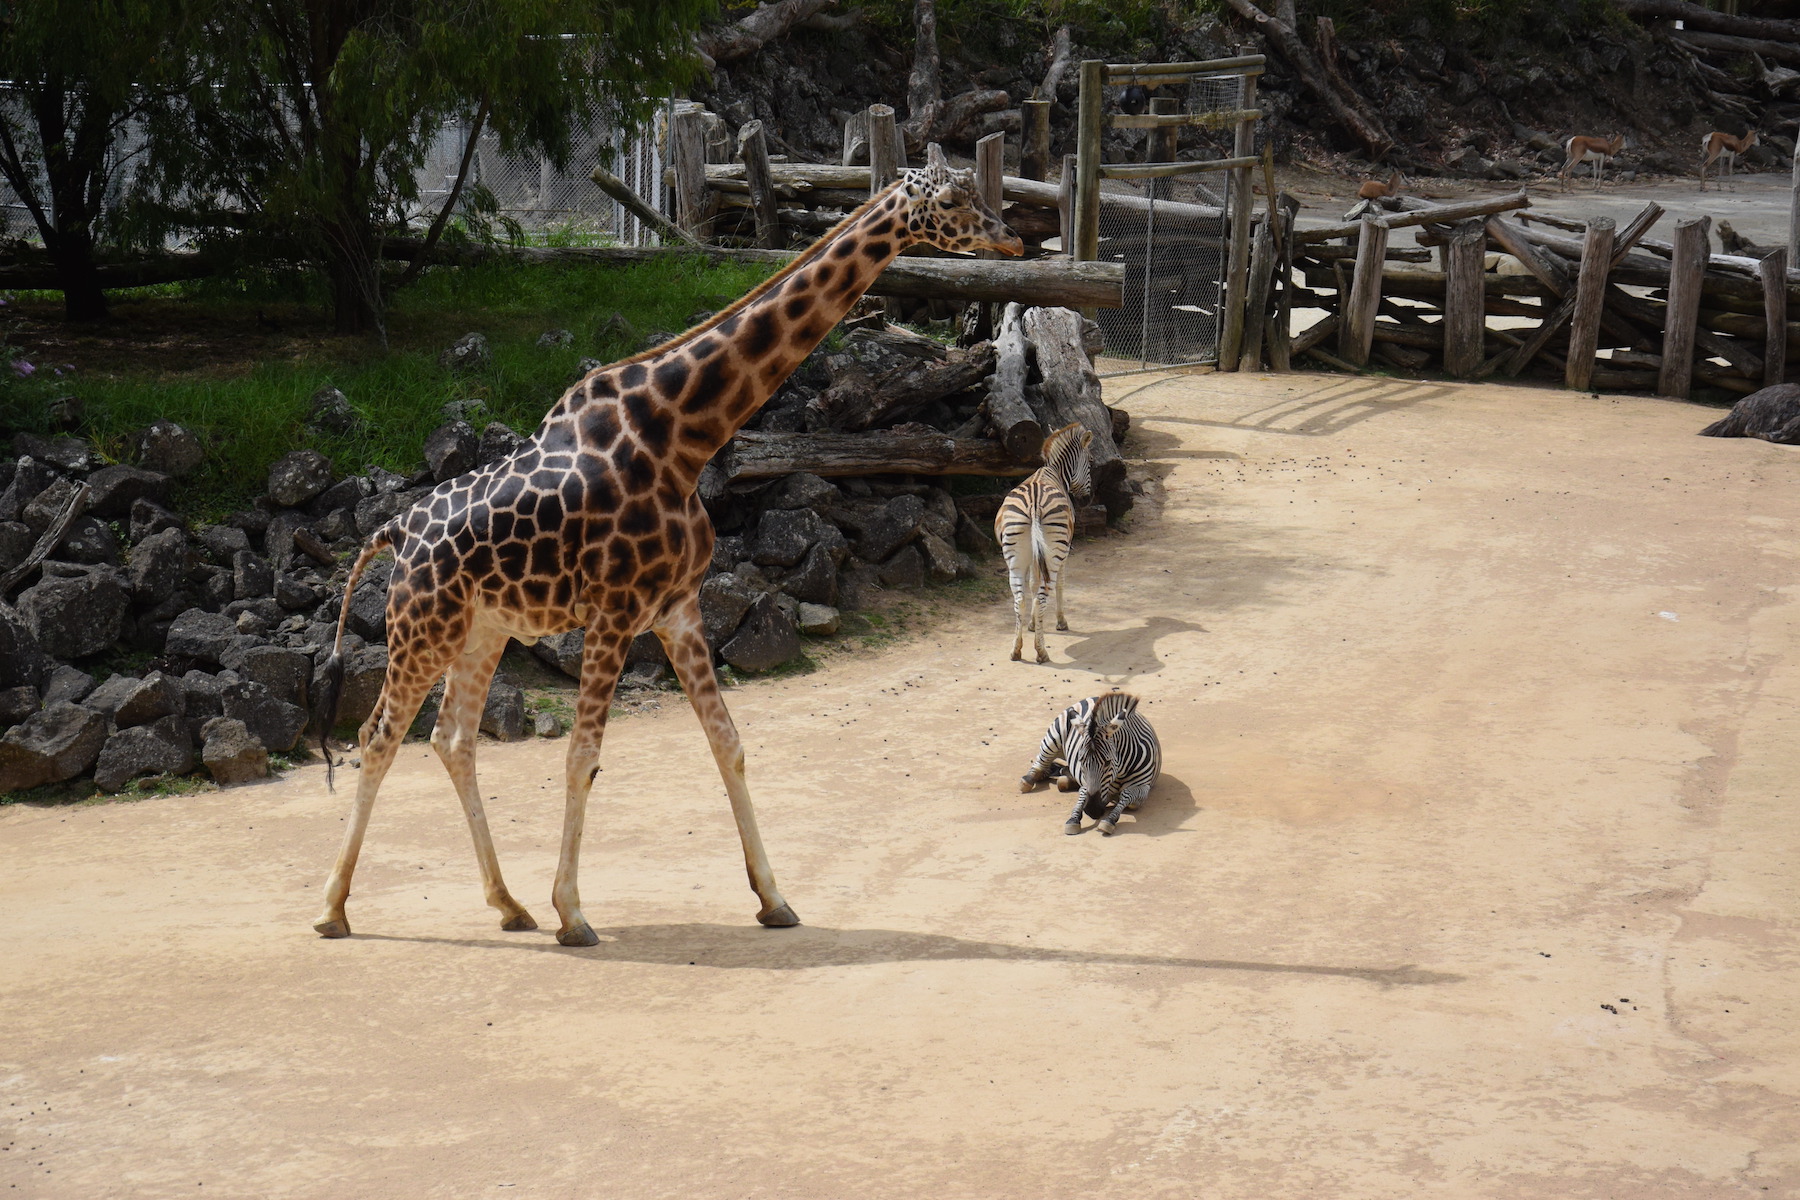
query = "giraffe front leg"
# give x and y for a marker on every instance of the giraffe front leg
(684, 638)
(453, 737)
(408, 680)
(602, 658)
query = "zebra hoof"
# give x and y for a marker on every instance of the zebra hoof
(1028, 784)
(1065, 784)
(1106, 828)
(1072, 828)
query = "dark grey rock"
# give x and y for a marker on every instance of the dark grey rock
(345, 493)
(22, 660)
(251, 575)
(149, 517)
(468, 410)
(156, 696)
(200, 635)
(816, 578)
(858, 587)
(562, 651)
(331, 412)
(906, 569)
(450, 450)
(215, 588)
(286, 673)
(646, 647)
(276, 724)
(278, 539)
(205, 694)
(16, 541)
(48, 505)
(468, 353)
(156, 566)
(643, 675)
(107, 698)
(587, 366)
(819, 620)
(547, 725)
(497, 442)
(940, 514)
(90, 541)
(894, 526)
(168, 449)
(971, 537)
(940, 558)
(30, 477)
(503, 716)
(368, 609)
(365, 670)
(118, 487)
(784, 535)
(767, 638)
(224, 542)
(293, 594)
(58, 742)
(338, 526)
(159, 748)
(372, 512)
(803, 490)
(18, 703)
(231, 753)
(298, 476)
(63, 453)
(727, 552)
(550, 339)
(74, 616)
(67, 684)
(724, 599)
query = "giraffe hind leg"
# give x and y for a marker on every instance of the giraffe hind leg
(684, 638)
(414, 663)
(453, 737)
(602, 658)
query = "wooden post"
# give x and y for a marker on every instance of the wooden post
(1243, 206)
(1087, 162)
(1065, 204)
(1256, 312)
(1357, 334)
(1590, 298)
(1280, 336)
(753, 148)
(1159, 147)
(1685, 273)
(1773, 270)
(1465, 298)
(884, 148)
(856, 138)
(687, 158)
(1034, 158)
(989, 170)
(1793, 242)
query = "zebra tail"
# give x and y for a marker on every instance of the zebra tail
(331, 672)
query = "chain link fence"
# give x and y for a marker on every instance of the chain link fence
(1170, 234)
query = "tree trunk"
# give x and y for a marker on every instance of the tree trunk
(740, 39)
(924, 88)
(1345, 105)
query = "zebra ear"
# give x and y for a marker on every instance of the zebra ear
(1087, 438)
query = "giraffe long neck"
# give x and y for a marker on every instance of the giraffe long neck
(694, 394)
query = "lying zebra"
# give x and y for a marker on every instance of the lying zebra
(1033, 527)
(1109, 754)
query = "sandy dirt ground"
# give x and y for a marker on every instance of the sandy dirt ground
(1475, 872)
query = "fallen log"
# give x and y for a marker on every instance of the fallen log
(857, 401)
(1420, 212)
(635, 204)
(1072, 391)
(1348, 107)
(740, 39)
(1011, 418)
(910, 450)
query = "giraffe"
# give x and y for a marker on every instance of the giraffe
(594, 522)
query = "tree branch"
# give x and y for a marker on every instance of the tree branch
(443, 216)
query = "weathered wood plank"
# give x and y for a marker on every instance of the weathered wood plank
(1465, 298)
(1590, 298)
(1681, 316)
(1357, 333)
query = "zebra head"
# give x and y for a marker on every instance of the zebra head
(1089, 758)
(1067, 452)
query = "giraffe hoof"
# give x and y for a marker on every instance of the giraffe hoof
(1072, 827)
(1043, 657)
(519, 922)
(578, 935)
(780, 917)
(1017, 655)
(1106, 828)
(1063, 626)
(332, 927)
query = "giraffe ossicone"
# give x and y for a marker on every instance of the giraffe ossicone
(594, 523)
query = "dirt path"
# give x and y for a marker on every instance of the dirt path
(1475, 873)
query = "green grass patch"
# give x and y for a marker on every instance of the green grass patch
(238, 359)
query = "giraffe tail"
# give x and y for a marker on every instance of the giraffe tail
(331, 671)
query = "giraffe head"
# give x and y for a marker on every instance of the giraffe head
(944, 210)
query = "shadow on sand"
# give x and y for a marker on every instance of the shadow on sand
(807, 947)
(1317, 412)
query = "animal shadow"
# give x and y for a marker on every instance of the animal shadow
(1125, 653)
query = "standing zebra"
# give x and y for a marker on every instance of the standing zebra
(1110, 754)
(1033, 527)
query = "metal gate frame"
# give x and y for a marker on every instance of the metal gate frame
(1096, 75)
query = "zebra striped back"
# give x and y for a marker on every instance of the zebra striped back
(1036, 523)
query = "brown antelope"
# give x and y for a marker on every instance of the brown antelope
(1582, 149)
(1716, 145)
(1373, 190)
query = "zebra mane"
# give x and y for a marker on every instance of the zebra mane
(1063, 448)
(1108, 710)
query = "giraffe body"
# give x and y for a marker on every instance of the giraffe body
(594, 522)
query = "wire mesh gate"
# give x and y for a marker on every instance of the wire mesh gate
(1169, 222)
